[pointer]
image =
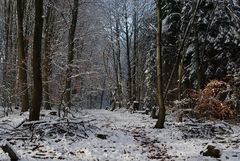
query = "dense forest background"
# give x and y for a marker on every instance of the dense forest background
(102, 53)
(86, 79)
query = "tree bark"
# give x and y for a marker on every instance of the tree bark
(180, 75)
(48, 32)
(119, 66)
(71, 52)
(7, 148)
(197, 59)
(7, 37)
(36, 63)
(129, 81)
(22, 67)
(135, 57)
(114, 64)
(161, 114)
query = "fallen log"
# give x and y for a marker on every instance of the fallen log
(7, 148)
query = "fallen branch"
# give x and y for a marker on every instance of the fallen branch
(7, 148)
(32, 123)
(21, 123)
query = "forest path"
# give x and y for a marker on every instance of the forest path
(128, 135)
(114, 136)
(134, 138)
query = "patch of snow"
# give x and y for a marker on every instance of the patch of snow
(4, 156)
(128, 137)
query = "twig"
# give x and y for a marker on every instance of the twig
(191, 119)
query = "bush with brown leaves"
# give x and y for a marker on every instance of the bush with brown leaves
(207, 103)
(212, 108)
(213, 88)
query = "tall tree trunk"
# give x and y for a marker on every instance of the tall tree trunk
(36, 62)
(48, 32)
(119, 66)
(114, 65)
(197, 59)
(114, 58)
(135, 56)
(71, 52)
(7, 12)
(22, 67)
(129, 80)
(7, 37)
(161, 114)
(7, 81)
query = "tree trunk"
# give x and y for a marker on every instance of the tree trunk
(22, 67)
(114, 65)
(114, 54)
(197, 59)
(135, 57)
(180, 75)
(119, 67)
(71, 52)
(161, 114)
(48, 32)
(129, 81)
(36, 62)
(7, 37)
(7, 148)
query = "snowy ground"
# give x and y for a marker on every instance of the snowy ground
(129, 137)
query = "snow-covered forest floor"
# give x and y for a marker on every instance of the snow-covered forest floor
(101, 135)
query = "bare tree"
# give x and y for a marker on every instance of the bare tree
(22, 68)
(135, 53)
(161, 114)
(71, 52)
(48, 40)
(129, 81)
(36, 62)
